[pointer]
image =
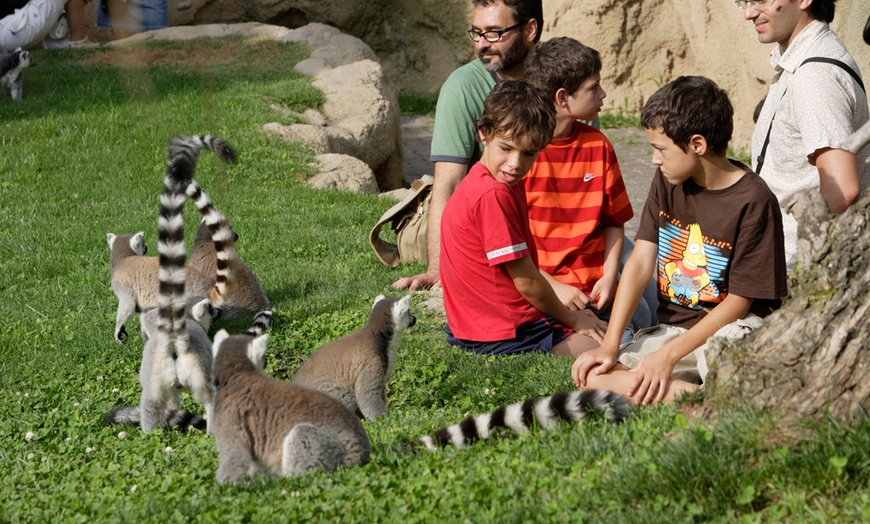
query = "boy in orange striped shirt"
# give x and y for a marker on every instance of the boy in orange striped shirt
(577, 200)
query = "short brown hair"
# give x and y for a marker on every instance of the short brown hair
(691, 105)
(517, 109)
(561, 62)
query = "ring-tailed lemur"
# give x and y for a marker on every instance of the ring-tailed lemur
(285, 429)
(12, 72)
(568, 406)
(214, 269)
(180, 355)
(356, 368)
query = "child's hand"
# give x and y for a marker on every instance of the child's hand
(596, 361)
(586, 323)
(653, 376)
(602, 293)
(573, 298)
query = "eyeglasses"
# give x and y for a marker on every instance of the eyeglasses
(492, 36)
(754, 3)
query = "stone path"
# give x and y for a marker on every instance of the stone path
(630, 144)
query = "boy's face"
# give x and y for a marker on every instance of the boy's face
(586, 102)
(508, 159)
(677, 165)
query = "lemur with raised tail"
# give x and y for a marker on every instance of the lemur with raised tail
(211, 255)
(179, 355)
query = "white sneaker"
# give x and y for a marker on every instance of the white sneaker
(60, 29)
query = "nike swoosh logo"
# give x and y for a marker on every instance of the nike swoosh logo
(588, 176)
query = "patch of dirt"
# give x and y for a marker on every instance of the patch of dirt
(194, 54)
(139, 56)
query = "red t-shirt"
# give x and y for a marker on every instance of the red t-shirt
(485, 224)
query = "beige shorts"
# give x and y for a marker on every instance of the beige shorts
(693, 367)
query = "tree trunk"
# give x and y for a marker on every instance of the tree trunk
(810, 357)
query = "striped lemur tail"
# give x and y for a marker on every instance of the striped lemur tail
(183, 420)
(224, 242)
(181, 164)
(224, 239)
(568, 406)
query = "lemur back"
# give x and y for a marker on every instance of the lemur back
(285, 429)
(356, 368)
(179, 355)
(567, 406)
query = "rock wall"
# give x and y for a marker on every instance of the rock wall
(644, 43)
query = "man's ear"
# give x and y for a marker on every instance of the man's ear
(698, 144)
(531, 30)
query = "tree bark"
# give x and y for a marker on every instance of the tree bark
(811, 356)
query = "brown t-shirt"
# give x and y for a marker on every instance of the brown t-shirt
(714, 242)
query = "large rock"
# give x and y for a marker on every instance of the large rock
(345, 173)
(643, 43)
(361, 110)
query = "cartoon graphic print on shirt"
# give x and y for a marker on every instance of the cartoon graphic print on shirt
(692, 268)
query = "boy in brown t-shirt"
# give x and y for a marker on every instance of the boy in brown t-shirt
(710, 232)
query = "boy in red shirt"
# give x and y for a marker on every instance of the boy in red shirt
(496, 300)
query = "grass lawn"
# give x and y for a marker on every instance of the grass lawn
(84, 155)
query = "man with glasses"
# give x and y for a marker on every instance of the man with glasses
(504, 33)
(816, 100)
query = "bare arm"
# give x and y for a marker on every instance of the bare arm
(635, 276)
(602, 292)
(839, 179)
(447, 177)
(572, 297)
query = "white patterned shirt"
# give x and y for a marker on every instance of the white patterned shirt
(817, 105)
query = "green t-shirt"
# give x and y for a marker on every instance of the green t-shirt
(460, 104)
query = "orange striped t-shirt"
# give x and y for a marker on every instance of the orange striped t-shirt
(574, 190)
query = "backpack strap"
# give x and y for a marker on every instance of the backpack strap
(839, 64)
(826, 60)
